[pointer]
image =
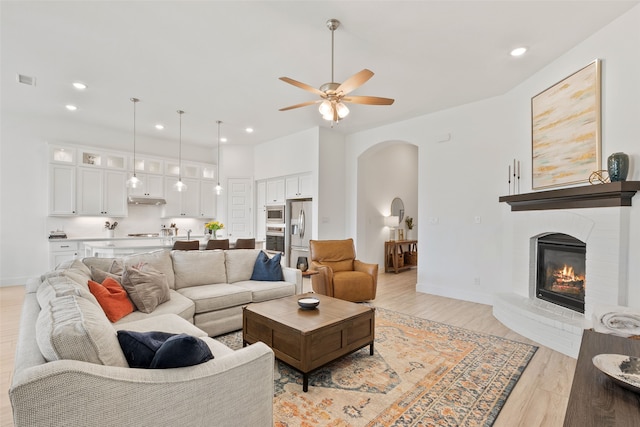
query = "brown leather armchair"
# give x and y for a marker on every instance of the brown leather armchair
(340, 274)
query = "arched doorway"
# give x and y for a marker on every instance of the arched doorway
(385, 171)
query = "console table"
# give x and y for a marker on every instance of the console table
(595, 400)
(400, 255)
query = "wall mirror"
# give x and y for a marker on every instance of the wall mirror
(397, 209)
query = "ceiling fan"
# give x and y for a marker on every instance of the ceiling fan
(333, 96)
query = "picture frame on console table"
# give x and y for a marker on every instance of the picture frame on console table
(566, 130)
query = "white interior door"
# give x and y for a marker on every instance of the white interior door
(239, 202)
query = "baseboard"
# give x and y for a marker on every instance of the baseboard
(461, 294)
(13, 281)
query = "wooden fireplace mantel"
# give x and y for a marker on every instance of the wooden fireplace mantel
(589, 196)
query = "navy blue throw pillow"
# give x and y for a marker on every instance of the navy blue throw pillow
(162, 349)
(267, 269)
(181, 350)
(139, 348)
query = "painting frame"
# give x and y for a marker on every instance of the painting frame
(566, 122)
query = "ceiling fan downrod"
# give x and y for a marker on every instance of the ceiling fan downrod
(332, 24)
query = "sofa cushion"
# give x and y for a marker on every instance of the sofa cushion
(146, 286)
(71, 327)
(239, 264)
(58, 286)
(178, 305)
(197, 268)
(171, 323)
(216, 297)
(160, 260)
(112, 298)
(73, 269)
(267, 269)
(161, 350)
(267, 290)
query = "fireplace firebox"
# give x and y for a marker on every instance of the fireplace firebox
(561, 262)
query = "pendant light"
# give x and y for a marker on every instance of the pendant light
(180, 186)
(134, 181)
(218, 186)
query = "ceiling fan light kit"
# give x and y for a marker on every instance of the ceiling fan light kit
(333, 95)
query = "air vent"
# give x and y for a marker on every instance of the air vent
(26, 80)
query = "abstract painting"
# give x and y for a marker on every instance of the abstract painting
(565, 130)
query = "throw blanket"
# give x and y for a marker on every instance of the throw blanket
(622, 321)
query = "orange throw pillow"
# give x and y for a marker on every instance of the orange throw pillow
(112, 298)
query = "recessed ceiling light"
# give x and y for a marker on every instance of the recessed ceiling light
(71, 107)
(223, 139)
(159, 126)
(249, 130)
(79, 85)
(519, 51)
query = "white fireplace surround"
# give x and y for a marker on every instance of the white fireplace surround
(606, 234)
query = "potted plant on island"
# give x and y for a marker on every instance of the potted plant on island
(213, 227)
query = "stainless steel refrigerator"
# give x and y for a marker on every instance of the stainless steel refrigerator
(299, 231)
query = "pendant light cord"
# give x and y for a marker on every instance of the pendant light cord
(180, 113)
(134, 100)
(219, 122)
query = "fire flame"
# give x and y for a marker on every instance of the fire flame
(567, 274)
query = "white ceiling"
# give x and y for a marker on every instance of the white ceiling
(222, 59)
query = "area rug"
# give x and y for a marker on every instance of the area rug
(422, 373)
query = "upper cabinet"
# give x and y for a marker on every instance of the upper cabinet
(150, 172)
(62, 193)
(299, 186)
(101, 192)
(92, 181)
(275, 191)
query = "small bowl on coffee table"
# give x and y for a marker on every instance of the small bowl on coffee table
(308, 303)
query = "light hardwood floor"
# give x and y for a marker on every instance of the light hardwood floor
(539, 399)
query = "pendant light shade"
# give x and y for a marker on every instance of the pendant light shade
(179, 185)
(218, 186)
(134, 181)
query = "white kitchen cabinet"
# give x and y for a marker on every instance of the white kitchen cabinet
(261, 210)
(189, 170)
(299, 186)
(152, 186)
(61, 251)
(182, 204)
(62, 155)
(101, 192)
(99, 159)
(62, 190)
(208, 199)
(275, 191)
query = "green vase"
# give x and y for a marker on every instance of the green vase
(618, 166)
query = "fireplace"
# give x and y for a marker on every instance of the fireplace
(560, 270)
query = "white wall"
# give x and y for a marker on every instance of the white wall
(331, 189)
(385, 171)
(463, 177)
(287, 156)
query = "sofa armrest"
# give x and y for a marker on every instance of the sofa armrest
(235, 389)
(293, 275)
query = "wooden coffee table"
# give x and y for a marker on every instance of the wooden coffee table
(309, 339)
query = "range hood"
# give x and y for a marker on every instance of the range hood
(138, 200)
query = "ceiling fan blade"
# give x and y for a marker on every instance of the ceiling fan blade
(302, 104)
(368, 100)
(302, 85)
(355, 81)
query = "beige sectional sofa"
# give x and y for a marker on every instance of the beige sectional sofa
(70, 369)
